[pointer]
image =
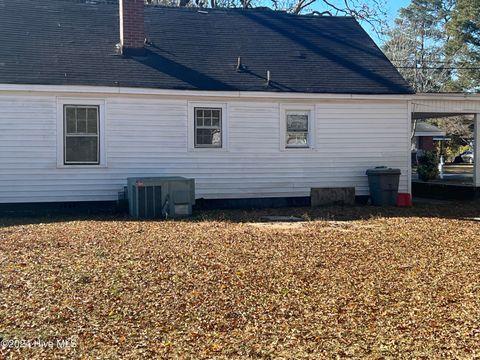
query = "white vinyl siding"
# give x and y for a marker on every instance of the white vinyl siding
(440, 105)
(147, 136)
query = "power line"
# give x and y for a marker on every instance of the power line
(438, 68)
(422, 61)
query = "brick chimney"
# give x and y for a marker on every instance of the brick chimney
(132, 26)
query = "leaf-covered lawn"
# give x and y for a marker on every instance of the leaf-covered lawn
(354, 282)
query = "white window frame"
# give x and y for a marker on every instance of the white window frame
(192, 130)
(95, 135)
(284, 109)
(61, 131)
(211, 127)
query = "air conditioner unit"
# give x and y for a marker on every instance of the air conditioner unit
(160, 197)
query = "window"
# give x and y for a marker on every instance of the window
(81, 132)
(297, 126)
(297, 129)
(81, 124)
(208, 127)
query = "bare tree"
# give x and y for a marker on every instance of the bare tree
(461, 126)
(369, 11)
(164, 2)
(203, 3)
(372, 12)
(419, 61)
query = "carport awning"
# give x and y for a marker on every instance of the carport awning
(432, 115)
(441, 105)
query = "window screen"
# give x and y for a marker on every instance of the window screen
(81, 130)
(208, 127)
(297, 128)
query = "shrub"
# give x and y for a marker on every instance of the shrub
(427, 166)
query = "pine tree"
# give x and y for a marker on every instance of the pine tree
(417, 44)
(464, 45)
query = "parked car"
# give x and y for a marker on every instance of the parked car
(465, 157)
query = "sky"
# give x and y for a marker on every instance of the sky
(392, 10)
(394, 6)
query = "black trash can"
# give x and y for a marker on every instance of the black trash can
(383, 184)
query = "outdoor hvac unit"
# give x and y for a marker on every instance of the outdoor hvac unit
(160, 197)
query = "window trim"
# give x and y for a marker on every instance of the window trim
(62, 103)
(191, 133)
(195, 126)
(65, 135)
(284, 109)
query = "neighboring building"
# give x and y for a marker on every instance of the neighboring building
(423, 138)
(250, 103)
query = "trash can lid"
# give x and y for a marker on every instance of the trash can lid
(383, 170)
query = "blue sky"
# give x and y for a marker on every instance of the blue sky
(392, 10)
(394, 6)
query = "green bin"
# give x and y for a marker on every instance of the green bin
(383, 184)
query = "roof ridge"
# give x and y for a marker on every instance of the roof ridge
(258, 8)
(217, 9)
(93, 2)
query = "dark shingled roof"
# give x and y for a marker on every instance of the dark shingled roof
(55, 42)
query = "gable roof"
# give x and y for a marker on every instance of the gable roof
(66, 42)
(423, 128)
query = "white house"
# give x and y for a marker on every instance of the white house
(250, 103)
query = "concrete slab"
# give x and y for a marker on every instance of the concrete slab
(332, 196)
(281, 218)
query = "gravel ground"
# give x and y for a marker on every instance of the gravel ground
(357, 282)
